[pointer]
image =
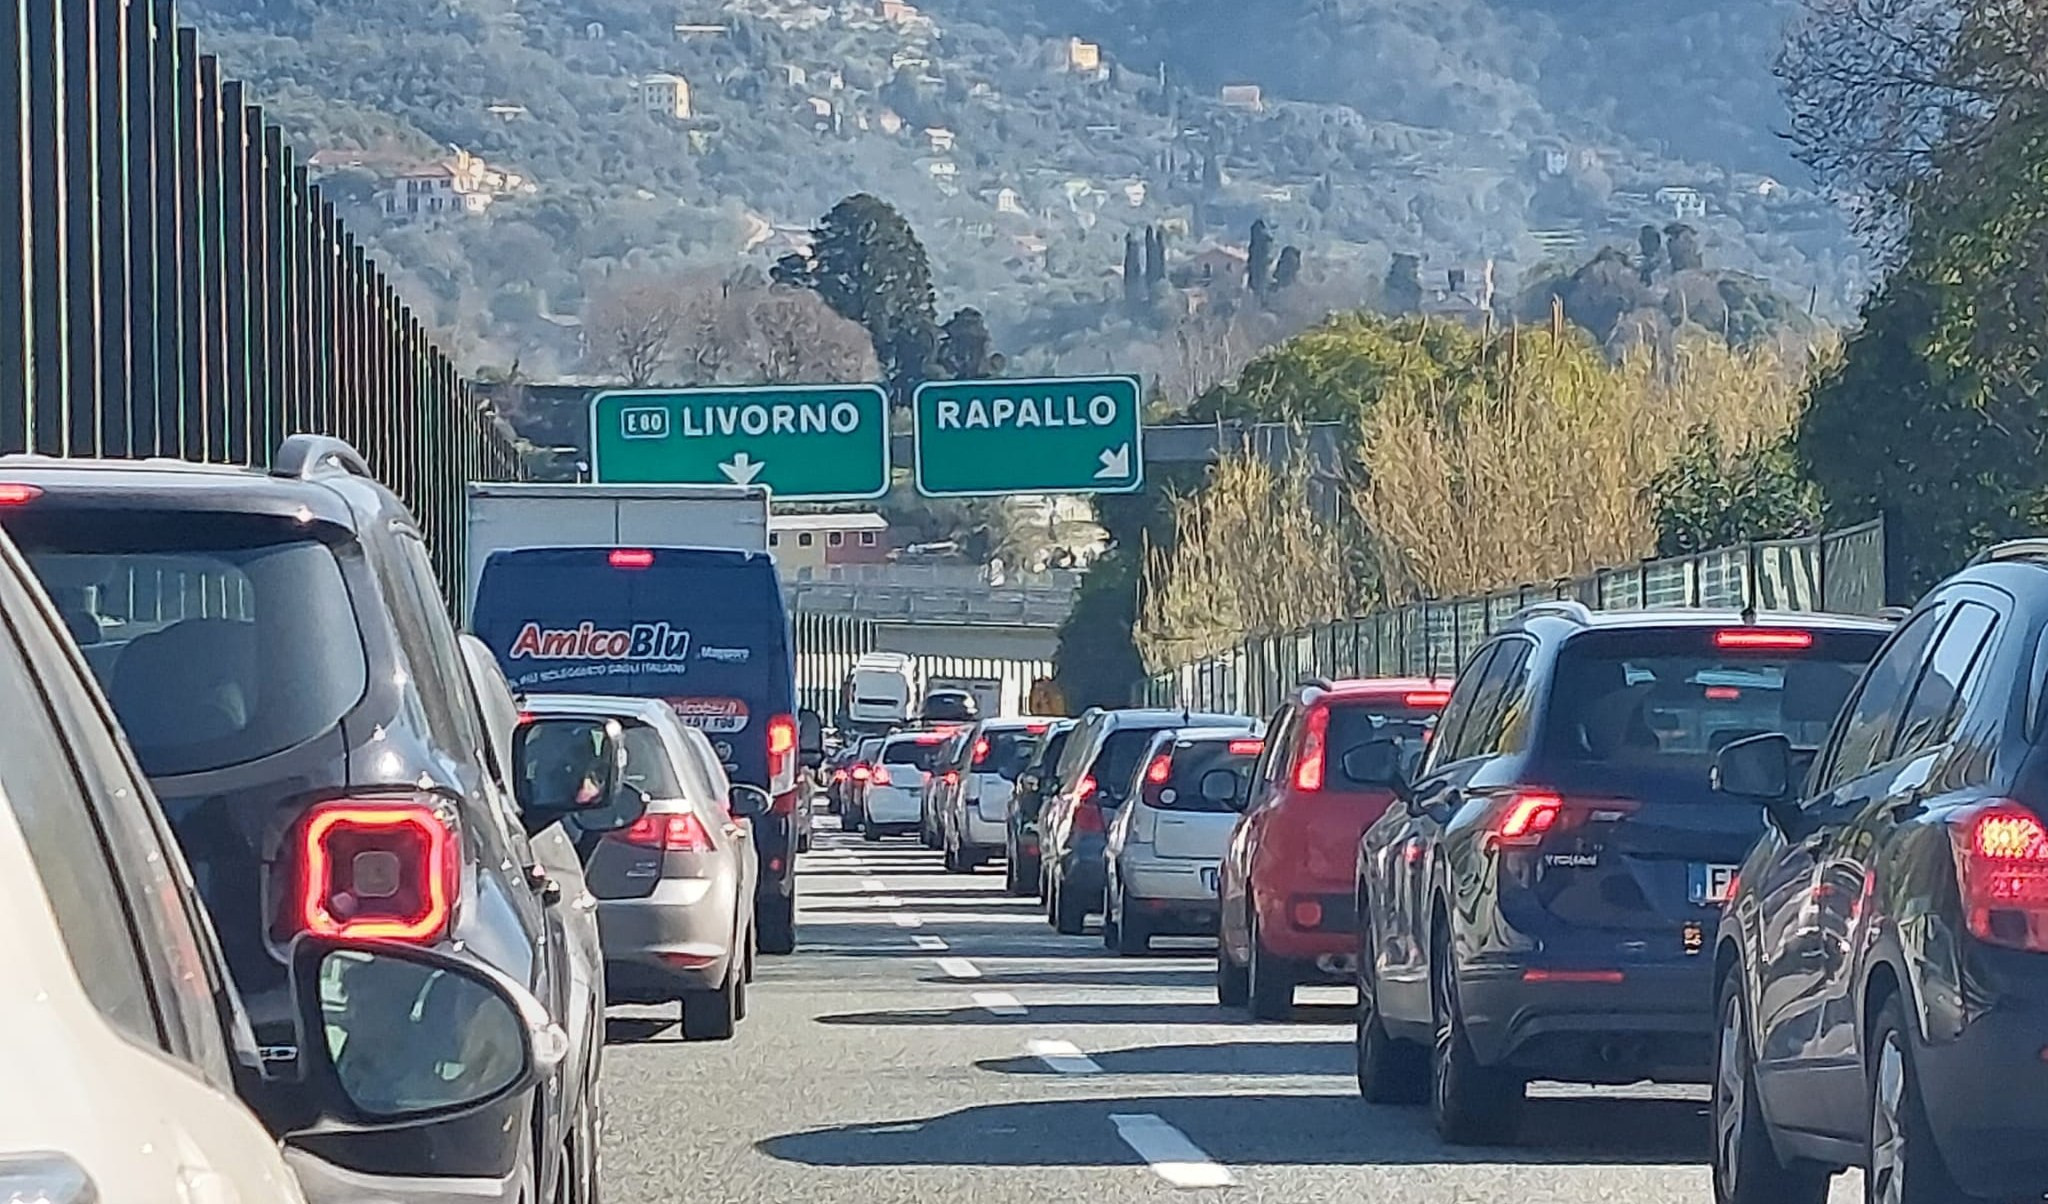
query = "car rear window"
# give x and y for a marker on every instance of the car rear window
(925, 756)
(1194, 760)
(1645, 711)
(1117, 762)
(1009, 751)
(219, 639)
(1353, 724)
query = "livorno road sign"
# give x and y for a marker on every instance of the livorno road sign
(982, 437)
(806, 443)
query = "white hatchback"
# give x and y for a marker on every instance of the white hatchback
(893, 801)
(1165, 849)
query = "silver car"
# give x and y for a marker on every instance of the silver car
(974, 810)
(1165, 848)
(675, 889)
(893, 800)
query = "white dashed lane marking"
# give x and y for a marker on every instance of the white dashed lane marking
(1168, 1151)
(958, 967)
(998, 1003)
(1064, 1057)
(928, 942)
(905, 919)
(873, 885)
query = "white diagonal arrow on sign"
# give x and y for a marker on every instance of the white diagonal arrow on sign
(1116, 465)
(741, 469)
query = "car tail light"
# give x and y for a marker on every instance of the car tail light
(952, 777)
(1038, 729)
(683, 833)
(1306, 913)
(19, 495)
(1528, 817)
(1084, 789)
(2002, 867)
(1723, 693)
(1310, 770)
(1088, 818)
(631, 558)
(839, 775)
(862, 773)
(980, 749)
(378, 869)
(1247, 748)
(1763, 639)
(1424, 700)
(878, 776)
(1160, 771)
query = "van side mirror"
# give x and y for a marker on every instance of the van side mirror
(392, 1034)
(1382, 763)
(810, 739)
(571, 767)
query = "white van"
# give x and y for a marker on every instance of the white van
(881, 691)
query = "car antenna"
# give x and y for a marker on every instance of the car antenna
(1749, 613)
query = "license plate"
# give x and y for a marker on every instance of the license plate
(1212, 879)
(1711, 883)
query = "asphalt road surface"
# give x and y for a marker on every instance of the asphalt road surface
(933, 1040)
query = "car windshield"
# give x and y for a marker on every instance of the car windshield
(219, 639)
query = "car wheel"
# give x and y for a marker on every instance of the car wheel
(1233, 985)
(1389, 1071)
(1069, 911)
(753, 952)
(1133, 936)
(1272, 981)
(1473, 1104)
(1013, 877)
(870, 833)
(1746, 1166)
(776, 925)
(1902, 1165)
(1110, 919)
(713, 1015)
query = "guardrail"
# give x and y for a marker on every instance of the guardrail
(913, 604)
(174, 286)
(1841, 571)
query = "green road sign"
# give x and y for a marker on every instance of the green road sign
(981, 437)
(805, 442)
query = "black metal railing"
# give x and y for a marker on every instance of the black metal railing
(172, 284)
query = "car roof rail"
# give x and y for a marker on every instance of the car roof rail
(2013, 549)
(1558, 608)
(301, 457)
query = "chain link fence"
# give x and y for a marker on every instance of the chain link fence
(1841, 571)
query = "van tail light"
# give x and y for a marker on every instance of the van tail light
(2001, 853)
(981, 750)
(376, 868)
(1530, 815)
(683, 833)
(878, 776)
(781, 752)
(1311, 769)
(1088, 818)
(839, 775)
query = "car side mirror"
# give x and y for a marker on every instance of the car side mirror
(1382, 763)
(392, 1035)
(1763, 769)
(574, 768)
(748, 802)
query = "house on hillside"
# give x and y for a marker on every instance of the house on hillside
(1217, 266)
(1085, 57)
(889, 121)
(1243, 96)
(663, 95)
(820, 112)
(506, 112)
(1134, 192)
(1466, 295)
(1681, 202)
(939, 138)
(793, 76)
(462, 183)
(1008, 200)
(807, 546)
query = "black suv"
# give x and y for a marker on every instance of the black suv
(281, 659)
(1540, 902)
(1883, 966)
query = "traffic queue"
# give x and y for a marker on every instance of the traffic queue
(1797, 858)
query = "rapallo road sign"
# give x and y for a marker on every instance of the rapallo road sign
(805, 442)
(982, 437)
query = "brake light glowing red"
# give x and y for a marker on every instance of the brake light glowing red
(932, 737)
(376, 869)
(878, 776)
(1247, 748)
(19, 495)
(1530, 816)
(683, 833)
(1310, 770)
(1088, 818)
(2002, 868)
(1160, 771)
(1307, 913)
(1038, 729)
(862, 773)
(980, 749)
(781, 756)
(952, 777)
(1426, 699)
(1763, 639)
(1723, 694)
(1084, 788)
(631, 558)
(839, 775)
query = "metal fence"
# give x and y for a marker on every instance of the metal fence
(1840, 571)
(827, 645)
(174, 286)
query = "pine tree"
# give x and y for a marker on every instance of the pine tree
(966, 351)
(1288, 268)
(1258, 268)
(868, 265)
(1134, 267)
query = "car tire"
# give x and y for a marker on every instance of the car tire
(1389, 1071)
(775, 925)
(1901, 1161)
(1745, 1161)
(1271, 979)
(1233, 985)
(1109, 917)
(1013, 878)
(1472, 1103)
(1133, 935)
(1069, 911)
(714, 1015)
(870, 833)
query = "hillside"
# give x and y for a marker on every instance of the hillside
(1454, 130)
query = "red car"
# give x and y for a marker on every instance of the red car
(1287, 906)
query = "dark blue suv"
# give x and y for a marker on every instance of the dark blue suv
(1541, 900)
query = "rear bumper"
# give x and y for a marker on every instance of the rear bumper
(1557, 1022)
(1284, 930)
(980, 831)
(1986, 1098)
(1157, 878)
(678, 939)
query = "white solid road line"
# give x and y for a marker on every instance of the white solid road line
(1168, 1151)
(905, 919)
(959, 967)
(929, 943)
(872, 885)
(1063, 1056)
(998, 1003)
